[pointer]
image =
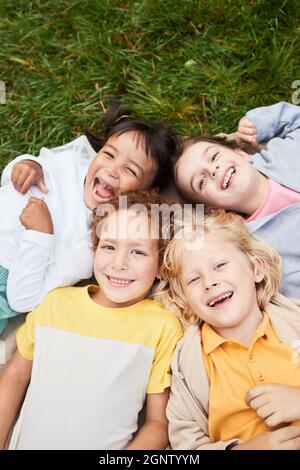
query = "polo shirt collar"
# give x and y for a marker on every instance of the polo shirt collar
(212, 340)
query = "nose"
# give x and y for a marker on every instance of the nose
(209, 284)
(120, 262)
(213, 170)
(112, 171)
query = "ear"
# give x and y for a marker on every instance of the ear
(258, 268)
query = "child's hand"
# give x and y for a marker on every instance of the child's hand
(275, 403)
(36, 216)
(247, 132)
(27, 173)
(287, 438)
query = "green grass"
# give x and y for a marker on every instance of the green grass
(199, 65)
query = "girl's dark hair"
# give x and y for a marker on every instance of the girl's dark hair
(161, 144)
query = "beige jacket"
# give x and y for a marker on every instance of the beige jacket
(187, 409)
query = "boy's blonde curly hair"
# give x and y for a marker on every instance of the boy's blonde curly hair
(225, 226)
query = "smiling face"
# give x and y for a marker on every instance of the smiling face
(219, 176)
(120, 166)
(125, 264)
(218, 282)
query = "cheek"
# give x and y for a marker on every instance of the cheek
(192, 296)
(147, 271)
(99, 261)
(129, 183)
(94, 166)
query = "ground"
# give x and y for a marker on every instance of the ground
(199, 65)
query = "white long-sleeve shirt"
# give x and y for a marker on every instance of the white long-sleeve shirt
(39, 262)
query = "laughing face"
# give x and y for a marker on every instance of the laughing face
(126, 263)
(220, 177)
(119, 167)
(219, 284)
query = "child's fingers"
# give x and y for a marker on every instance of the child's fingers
(42, 186)
(20, 180)
(273, 420)
(265, 411)
(256, 392)
(27, 184)
(35, 200)
(287, 433)
(257, 402)
(246, 124)
(247, 131)
(15, 174)
(250, 139)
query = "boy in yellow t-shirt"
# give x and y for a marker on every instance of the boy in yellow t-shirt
(92, 355)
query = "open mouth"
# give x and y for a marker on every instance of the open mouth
(102, 191)
(220, 300)
(228, 177)
(119, 281)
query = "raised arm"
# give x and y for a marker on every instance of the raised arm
(277, 120)
(23, 172)
(26, 169)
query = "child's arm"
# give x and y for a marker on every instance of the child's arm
(28, 281)
(287, 438)
(185, 433)
(153, 435)
(13, 385)
(25, 170)
(275, 403)
(277, 120)
(27, 173)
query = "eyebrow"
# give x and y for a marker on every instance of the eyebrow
(111, 146)
(204, 156)
(139, 243)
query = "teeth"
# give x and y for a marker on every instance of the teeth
(119, 281)
(103, 184)
(228, 175)
(106, 186)
(212, 302)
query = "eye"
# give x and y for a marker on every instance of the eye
(196, 278)
(138, 252)
(201, 182)
(220, 265)
(110, 155)
(107, 247)
(131, 171)
(214, 156)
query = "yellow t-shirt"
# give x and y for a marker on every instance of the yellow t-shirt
(233, 369)
(92, 369)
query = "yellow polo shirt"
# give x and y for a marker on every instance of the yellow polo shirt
(233, 369)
